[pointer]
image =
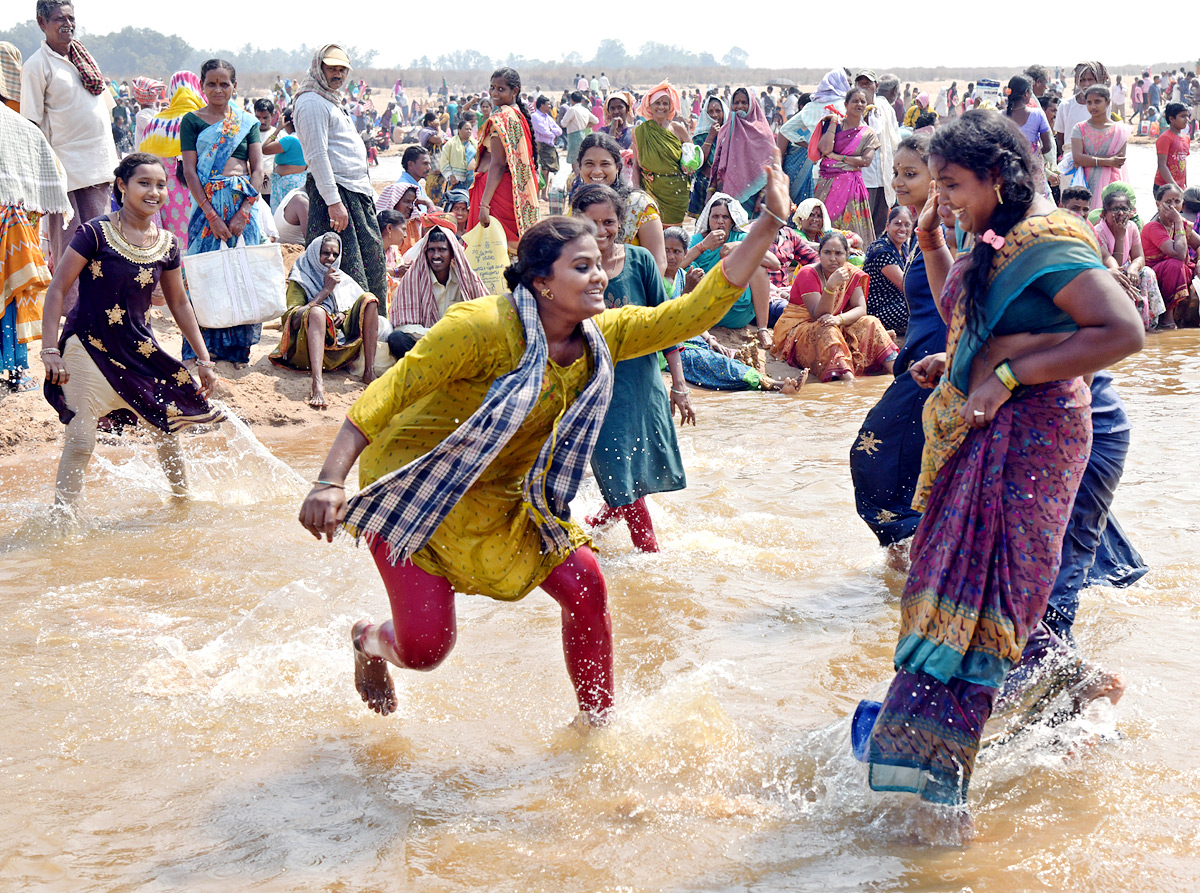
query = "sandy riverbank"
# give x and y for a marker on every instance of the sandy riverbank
(262, 394)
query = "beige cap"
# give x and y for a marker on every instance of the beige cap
(335, 55)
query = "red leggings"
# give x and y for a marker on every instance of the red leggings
(422, 630)
(637, 516)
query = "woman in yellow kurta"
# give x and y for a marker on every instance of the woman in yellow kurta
(473, 445)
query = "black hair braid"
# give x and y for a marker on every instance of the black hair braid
(1018, 86)
(1017, 193)
(513, 79)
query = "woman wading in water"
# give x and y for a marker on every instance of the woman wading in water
(473, 445)
(107, 363)
(1030, 310)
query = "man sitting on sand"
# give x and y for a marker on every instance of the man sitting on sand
(439, 276)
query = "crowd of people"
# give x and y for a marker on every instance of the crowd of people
(985, 253)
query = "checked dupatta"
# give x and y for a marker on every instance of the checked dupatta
(405, 507)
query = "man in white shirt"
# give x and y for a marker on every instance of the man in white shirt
(791, 103)
(604, 83)
(877, 177)
(64, 93)
(575, 124)
(582, 84)
(340, 194)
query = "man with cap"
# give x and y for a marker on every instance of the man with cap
(877, 177)
(64, 93)
(340, 195)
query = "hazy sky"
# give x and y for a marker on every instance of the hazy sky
(402, 32)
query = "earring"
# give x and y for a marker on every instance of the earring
(546, 294)
(999, 197)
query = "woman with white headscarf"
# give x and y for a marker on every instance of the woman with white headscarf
(329, 320)
(720, 225)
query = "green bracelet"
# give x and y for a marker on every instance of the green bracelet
(1007, 378)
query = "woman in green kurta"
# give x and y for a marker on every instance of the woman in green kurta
(636, 453)
(502, 400)
(658, 153)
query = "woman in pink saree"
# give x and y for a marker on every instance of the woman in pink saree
(846, 149)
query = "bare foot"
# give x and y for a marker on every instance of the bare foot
(897, 556)
(764, 339)
(586, 720)
(371, 676)
(317, 399)
(369, 376)
(1095, 685)
(792, 386)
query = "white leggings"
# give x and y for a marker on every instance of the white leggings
(89, 395)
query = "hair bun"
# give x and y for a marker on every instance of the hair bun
(512, 275)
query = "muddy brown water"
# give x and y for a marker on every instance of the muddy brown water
(181, 714)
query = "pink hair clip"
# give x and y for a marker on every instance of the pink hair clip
(992, 239)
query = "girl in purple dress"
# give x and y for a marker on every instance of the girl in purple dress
(107, 364)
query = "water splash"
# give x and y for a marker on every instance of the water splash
(226, 464)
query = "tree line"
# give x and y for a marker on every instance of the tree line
(133, 51)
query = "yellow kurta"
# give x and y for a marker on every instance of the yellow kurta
(488, 544)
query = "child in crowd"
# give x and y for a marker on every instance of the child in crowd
(1098, 144)
(1173, 147)
(1077, 200)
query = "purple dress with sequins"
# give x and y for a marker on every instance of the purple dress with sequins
(112, 321)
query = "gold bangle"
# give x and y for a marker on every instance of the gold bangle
(930, 241)
(1004, 372)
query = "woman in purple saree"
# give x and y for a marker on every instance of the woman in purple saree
(1008, 434)
(847, 148)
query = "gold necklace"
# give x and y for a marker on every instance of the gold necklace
(121, 232)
